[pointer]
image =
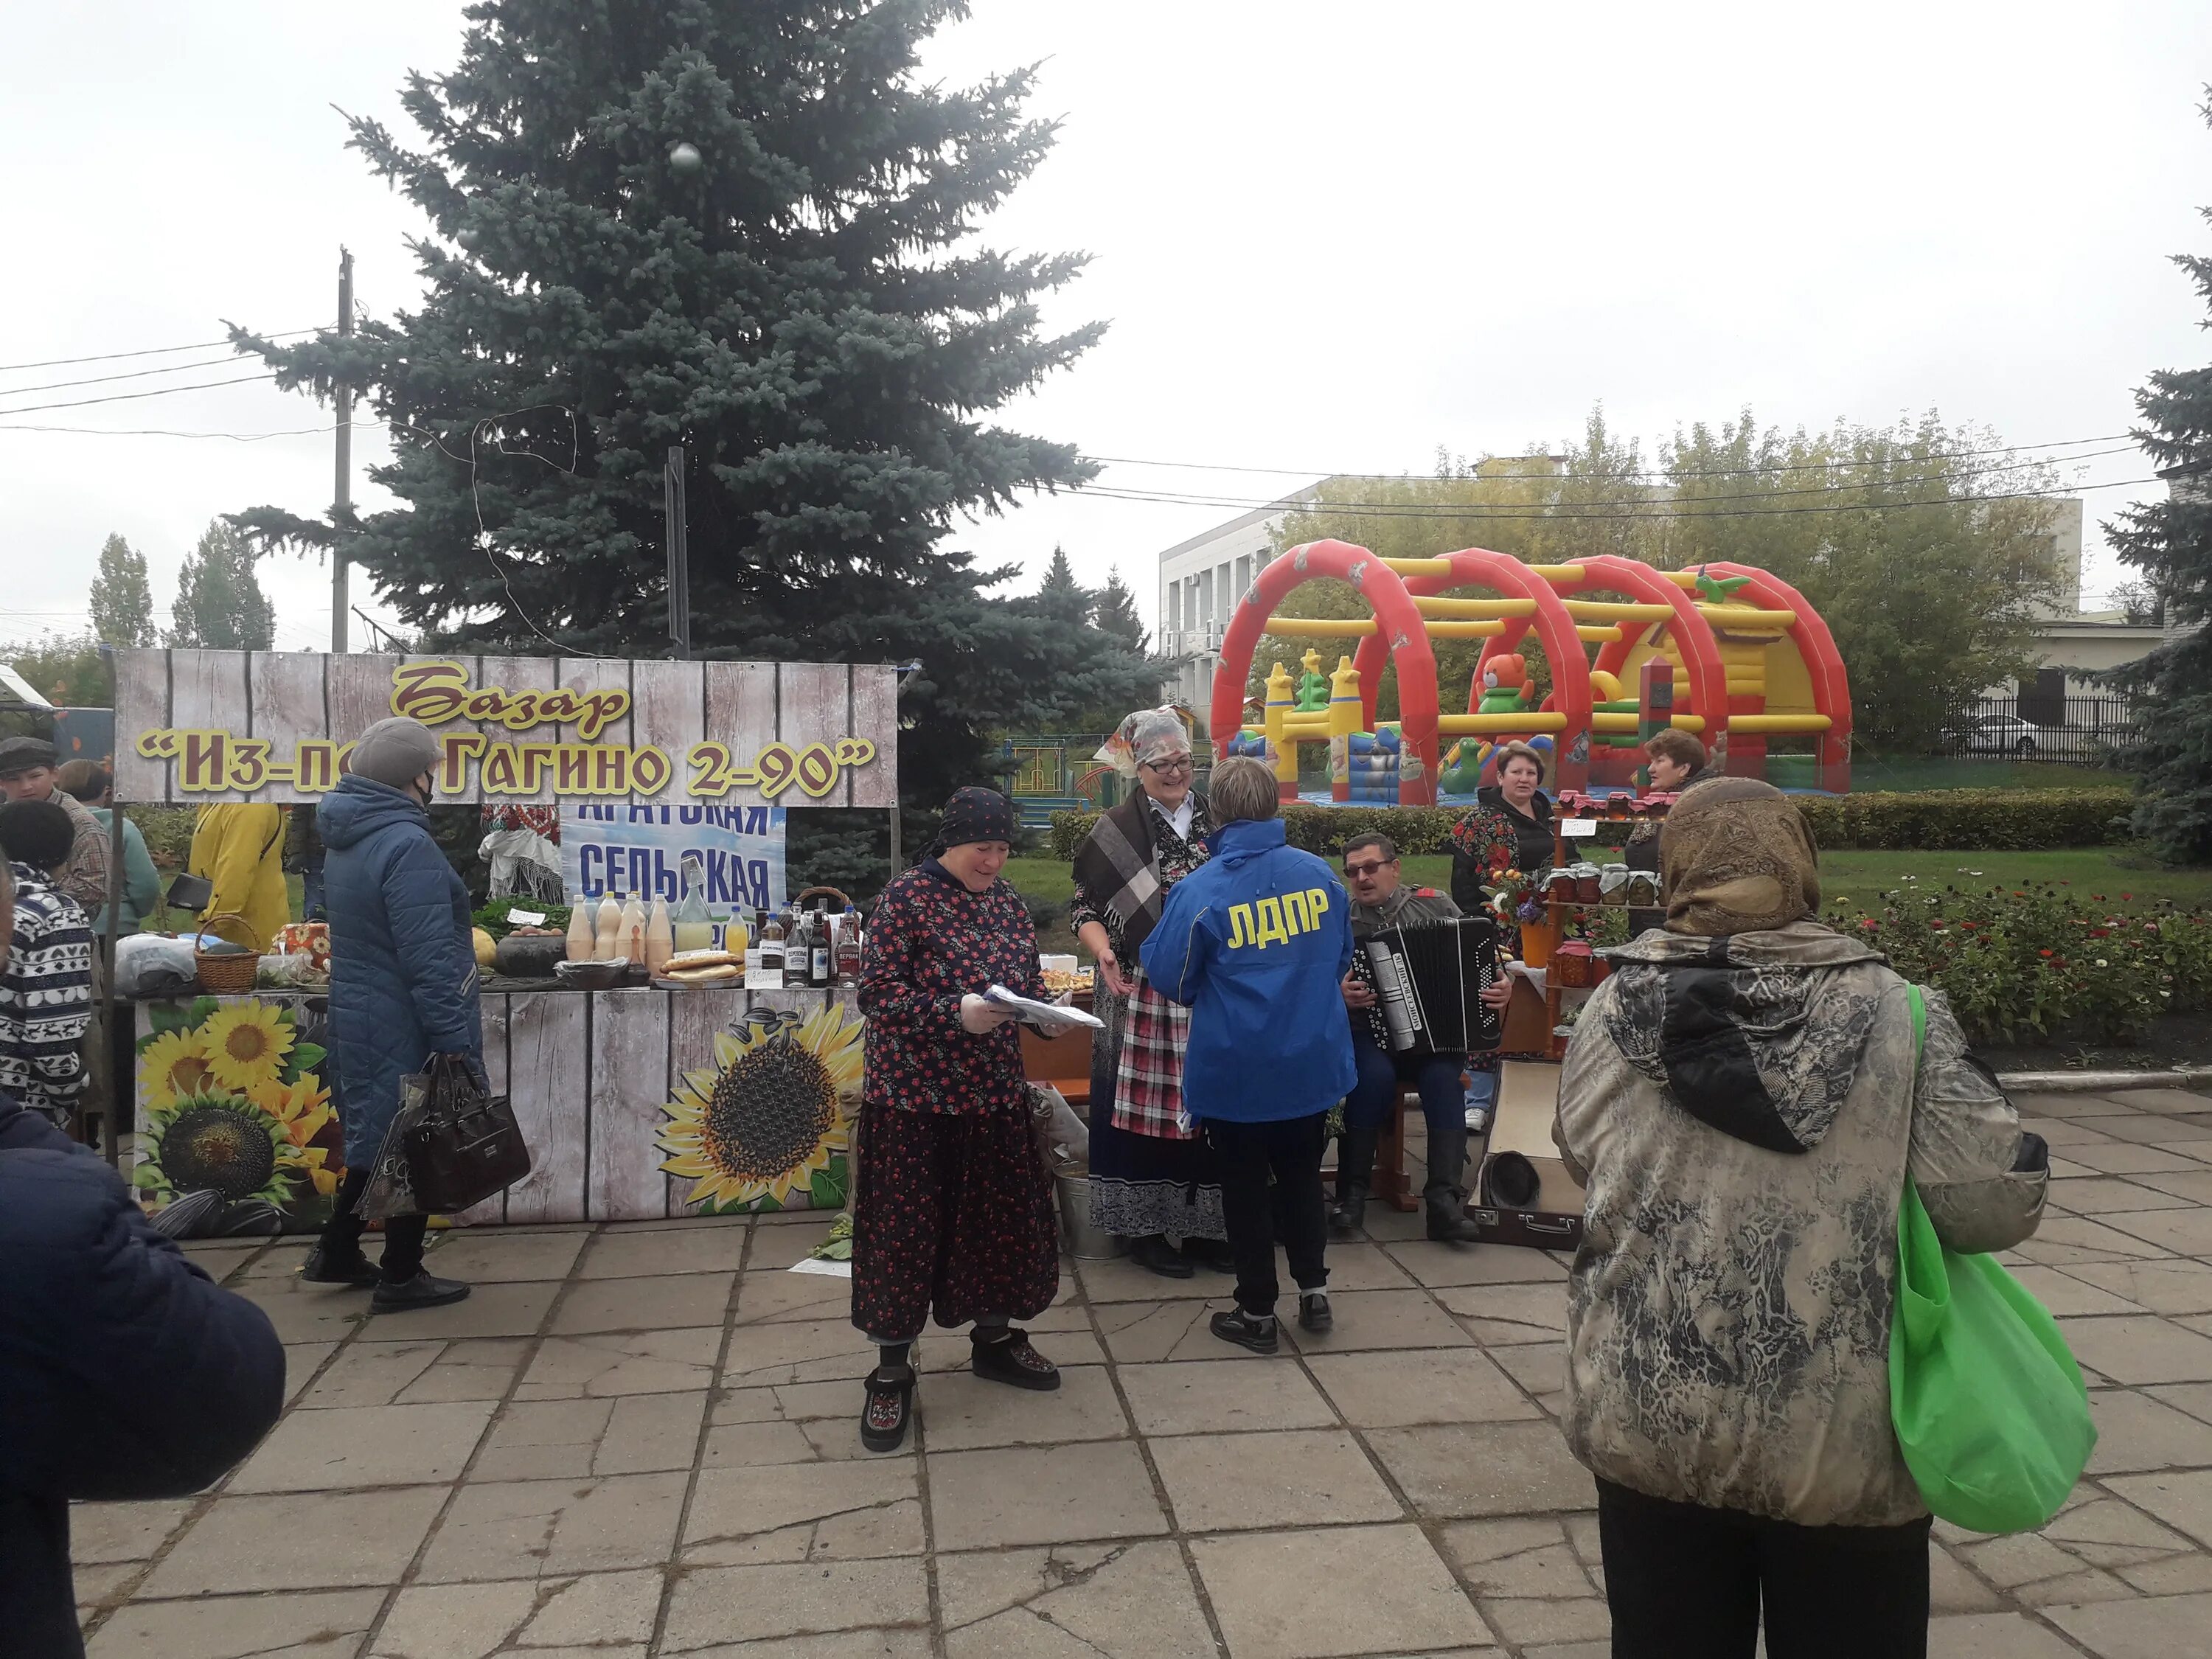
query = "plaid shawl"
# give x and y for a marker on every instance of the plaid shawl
(1119, 865)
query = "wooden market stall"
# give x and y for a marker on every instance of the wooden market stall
(638, 1103)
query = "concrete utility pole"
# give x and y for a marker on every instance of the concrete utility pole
(679, 554)
(342, 503)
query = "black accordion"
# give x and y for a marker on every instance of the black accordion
(1428, 983)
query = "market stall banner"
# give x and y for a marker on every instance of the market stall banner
(638, 1105)
(193, 726)
(633, 848)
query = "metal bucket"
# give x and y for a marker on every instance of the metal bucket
(1084, 1242)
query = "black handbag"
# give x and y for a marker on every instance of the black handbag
(463, 1145)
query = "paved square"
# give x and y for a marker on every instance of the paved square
(640, 1440)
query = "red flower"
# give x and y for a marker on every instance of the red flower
(2043, 953)
(1870, 924)
(2127, 896)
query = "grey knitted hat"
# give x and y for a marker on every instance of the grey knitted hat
(396, 751)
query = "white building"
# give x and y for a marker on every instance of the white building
(1200, 581)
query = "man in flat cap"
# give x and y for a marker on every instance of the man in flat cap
(30, 769)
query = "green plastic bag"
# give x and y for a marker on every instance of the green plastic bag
(1988, 1403)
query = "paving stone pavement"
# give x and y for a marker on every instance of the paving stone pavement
(640, 1440)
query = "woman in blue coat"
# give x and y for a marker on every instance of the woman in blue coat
(403, 989)
(1255, 943)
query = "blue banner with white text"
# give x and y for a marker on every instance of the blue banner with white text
(629, 848)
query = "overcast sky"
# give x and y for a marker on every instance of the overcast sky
(1326, 238)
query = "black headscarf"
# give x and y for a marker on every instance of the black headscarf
(974, 814)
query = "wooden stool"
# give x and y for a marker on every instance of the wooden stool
(1389, 1186)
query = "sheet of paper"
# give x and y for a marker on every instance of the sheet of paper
(828, 1269)
(526, 918)
(1578, 829)
(1051, 1016)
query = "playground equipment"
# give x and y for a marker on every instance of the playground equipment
(1726, 651)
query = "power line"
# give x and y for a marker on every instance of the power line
(134, 374)
(158, 432)
(127, 396)
(1323, 473)
(1433, 509)
(151, 351)
(1388, 510)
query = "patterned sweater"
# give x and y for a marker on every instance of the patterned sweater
(930, 942)
(46, 997)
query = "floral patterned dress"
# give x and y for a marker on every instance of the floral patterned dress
(954, 1217)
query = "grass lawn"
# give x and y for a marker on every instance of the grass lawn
(1858, 879)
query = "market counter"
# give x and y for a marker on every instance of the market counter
(637, 1105)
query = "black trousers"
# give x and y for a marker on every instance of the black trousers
(1689, 1583)
(403, 1234)
(1290, 1150)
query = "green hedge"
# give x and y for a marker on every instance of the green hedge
(2006, 820)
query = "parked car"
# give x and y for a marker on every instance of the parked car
(1996, 734)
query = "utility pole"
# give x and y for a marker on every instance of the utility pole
(342, 502)
(679, 554)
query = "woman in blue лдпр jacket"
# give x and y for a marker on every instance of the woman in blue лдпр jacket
(403, 987)
(1256, 943)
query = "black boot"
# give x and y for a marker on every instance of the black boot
(1445, 1197)
(1355, 1176)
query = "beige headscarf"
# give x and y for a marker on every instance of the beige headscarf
(1739, 858)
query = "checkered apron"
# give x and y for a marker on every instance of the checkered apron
(1148, 1081)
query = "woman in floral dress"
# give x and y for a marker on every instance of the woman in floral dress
(955, 1213)
(1150, 1176)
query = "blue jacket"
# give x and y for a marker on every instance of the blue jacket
(125, 1372)
(402, 964)
(1256, 942)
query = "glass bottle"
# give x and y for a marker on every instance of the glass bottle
(772, 966)
(848, 945)
(693, 929)
(818, 953)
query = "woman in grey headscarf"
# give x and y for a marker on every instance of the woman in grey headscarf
(1745, 1099)
(1150, 1177)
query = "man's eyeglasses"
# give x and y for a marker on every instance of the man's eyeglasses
(1169, 767)
(1359, 872)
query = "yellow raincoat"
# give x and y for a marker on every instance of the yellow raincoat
(240, 849)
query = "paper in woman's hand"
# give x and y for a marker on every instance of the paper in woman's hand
(1049, 1016)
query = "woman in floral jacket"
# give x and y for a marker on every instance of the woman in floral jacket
(955, 1211)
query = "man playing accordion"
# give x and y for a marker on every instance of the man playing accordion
(1380, 899)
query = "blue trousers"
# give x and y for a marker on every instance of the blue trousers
(1382, 1075)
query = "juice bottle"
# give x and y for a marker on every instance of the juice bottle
(633, 931)
(581, 933)
(606, 936)
(660, 937)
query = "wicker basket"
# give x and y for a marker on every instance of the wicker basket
(799, 902)
(228, 974)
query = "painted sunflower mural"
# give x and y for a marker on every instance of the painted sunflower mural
(772, 1116)
(231, 1102)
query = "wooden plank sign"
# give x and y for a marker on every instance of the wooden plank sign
(194, 727)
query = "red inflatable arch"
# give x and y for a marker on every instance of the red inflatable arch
(1477, 566)
(1399, 630)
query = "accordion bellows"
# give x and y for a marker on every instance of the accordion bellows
(1430, 981)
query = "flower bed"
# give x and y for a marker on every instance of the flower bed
(2044, 963)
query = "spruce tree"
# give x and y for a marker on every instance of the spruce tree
(219, 605)
(1059, 596)
(2171, 543)
(742, 227)
(1115, 615)
(121, 598)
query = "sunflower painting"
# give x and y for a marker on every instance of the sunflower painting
(772, 1117)
(231, 1102)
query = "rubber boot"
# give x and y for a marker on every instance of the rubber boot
(1355, 1176)
(1445, 1197)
